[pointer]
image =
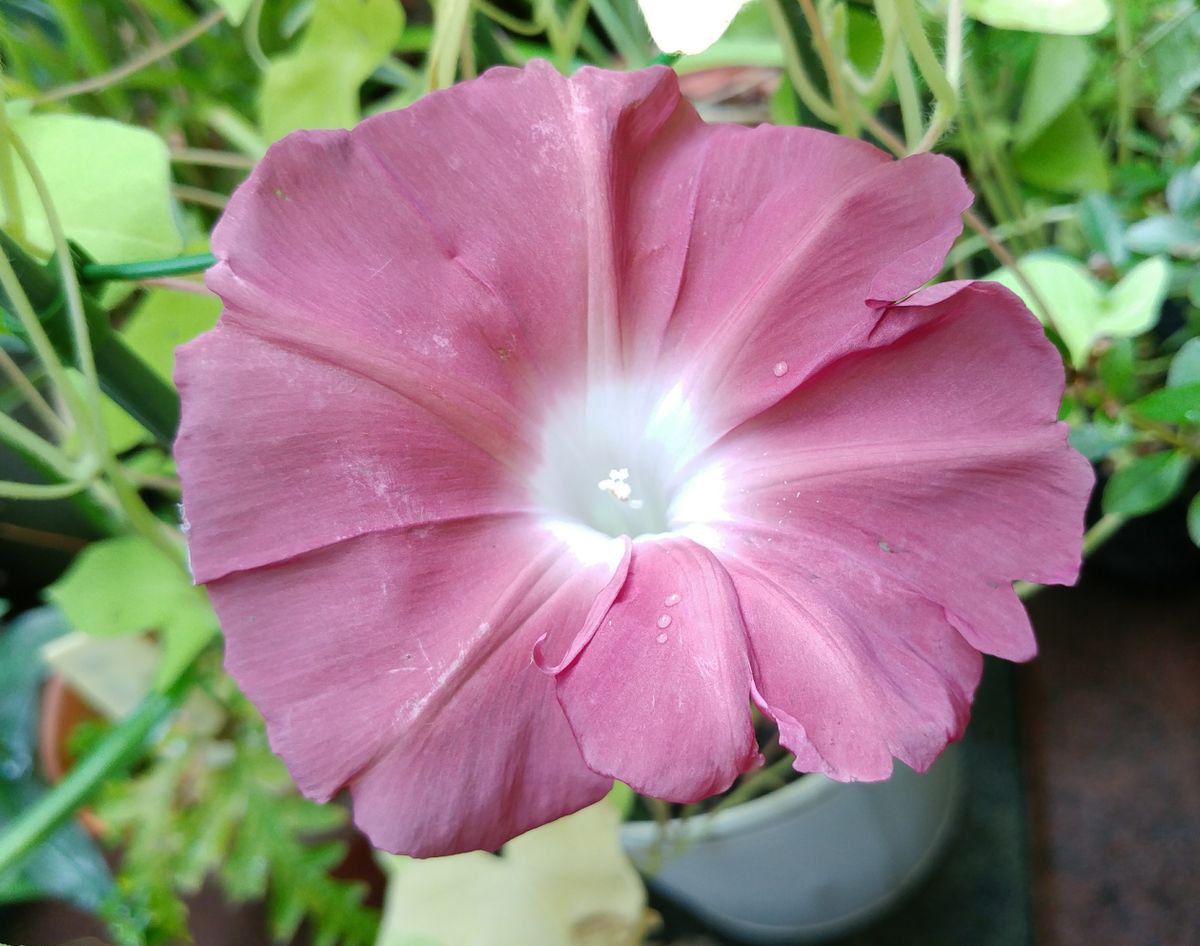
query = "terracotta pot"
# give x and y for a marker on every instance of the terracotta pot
(62, 710)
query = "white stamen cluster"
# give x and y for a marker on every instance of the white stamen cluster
(617, 484)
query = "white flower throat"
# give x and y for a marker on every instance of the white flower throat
(612, 459)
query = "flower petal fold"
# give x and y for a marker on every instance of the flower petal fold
(781, 273)
(659, 697)
(875, 520)
(400, 663)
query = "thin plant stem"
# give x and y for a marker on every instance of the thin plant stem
(812, 99)
(34, 492)
(1125, 81)
(965, 249)
(86, 363)
(207, 157)
(619, 33)
(1008, 205)
(135, 64)
(1101, 531)
(944, 112)
(198, 195)
(136, 513)
(27, 443)
(1007, 259)
(757, 782)
(43, 348)
(906, 86)
(846, 123)
(177, 284)
(10, 195)
(451, 19)
(251, 28)
(918, 44)
(868, 88)
(33, 397)
(507, 20)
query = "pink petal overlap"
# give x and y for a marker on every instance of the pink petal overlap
(778, 270)
(875, 520)
(661, 693)
(400, 662)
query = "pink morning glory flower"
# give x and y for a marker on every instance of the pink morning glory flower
(547, 429)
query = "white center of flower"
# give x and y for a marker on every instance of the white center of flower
(653, 436)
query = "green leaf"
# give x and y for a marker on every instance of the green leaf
(317, 85)
(1135, 303)
(235, 10)
(1164, 233)
(1067, 157)
(110, 184)
(1097, 440)
(1117, 370)
(1183, 192)
(1040, 16)
(1059, 69)
(119, 586)
(1146, 484)
(125, 586)
(1175, 405)
(1103, 228)
(1175, 64)
(165, 321)
(1193, 518)
(1081, 311)
(67, 865)
(1185, 366)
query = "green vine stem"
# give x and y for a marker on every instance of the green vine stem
(846, 122)
(102, 83)
(150, 269)
(797, 73)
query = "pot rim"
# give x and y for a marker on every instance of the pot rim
(808, 790)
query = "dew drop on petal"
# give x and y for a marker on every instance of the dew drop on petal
(662, 638)
(664, 620)
(672, 599)
(780, 369)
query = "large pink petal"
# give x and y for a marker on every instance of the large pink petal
(459, 250)
(283, 453)
(891, 502)
(659, 697)
(400, 663)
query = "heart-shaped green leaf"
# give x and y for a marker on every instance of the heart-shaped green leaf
(1080, 309)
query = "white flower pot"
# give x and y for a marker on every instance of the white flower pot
(815, 859)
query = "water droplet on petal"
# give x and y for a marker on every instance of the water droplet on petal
(664, 620)
(672, 599)
(780, 369)
(662, 638)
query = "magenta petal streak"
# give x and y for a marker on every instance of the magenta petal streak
(547, 428)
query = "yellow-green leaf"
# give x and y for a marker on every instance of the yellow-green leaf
(317, 85)
(110, 184)
(568, 883)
